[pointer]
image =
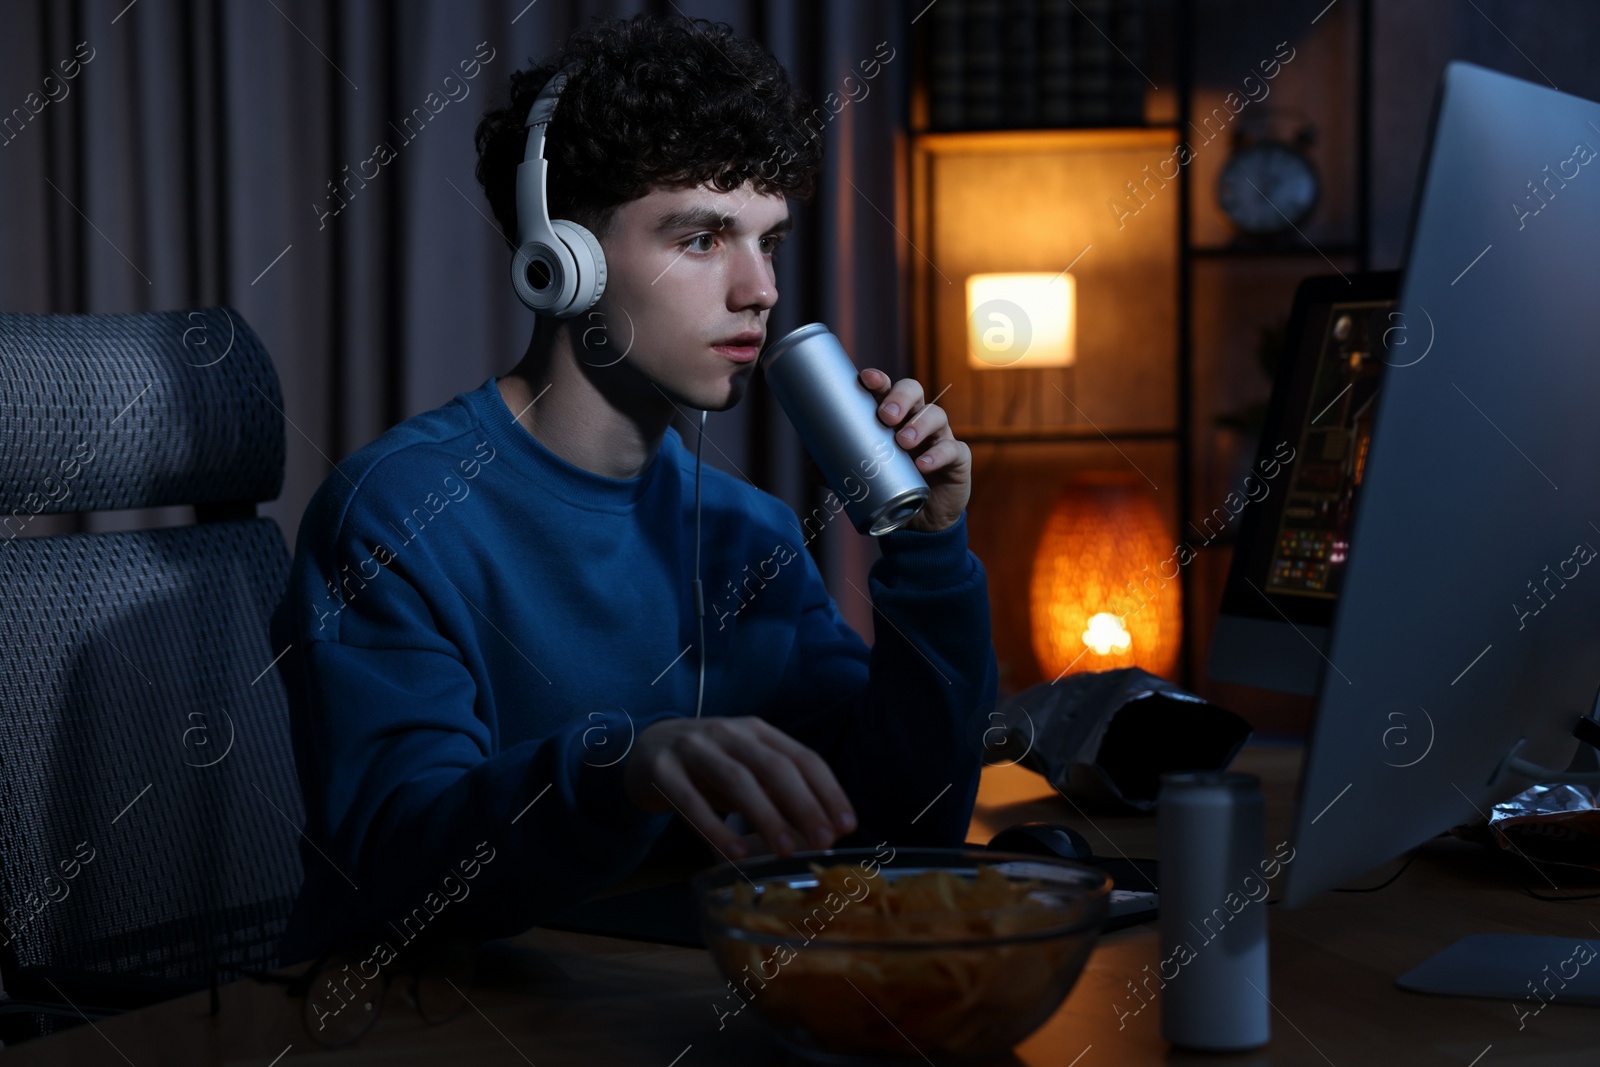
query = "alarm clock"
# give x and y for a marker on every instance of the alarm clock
(1268, 187)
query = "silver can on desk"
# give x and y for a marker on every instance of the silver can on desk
(837, 419)
(1212, 835)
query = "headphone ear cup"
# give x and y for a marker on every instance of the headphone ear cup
(584, 249)
(554, 263)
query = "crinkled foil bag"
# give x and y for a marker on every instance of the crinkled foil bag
(1551, 823)
(1107, 737)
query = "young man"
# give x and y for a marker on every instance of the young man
(493, 663)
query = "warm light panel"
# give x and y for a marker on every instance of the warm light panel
(1021, 320)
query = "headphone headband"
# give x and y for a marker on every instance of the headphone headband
(539, 115)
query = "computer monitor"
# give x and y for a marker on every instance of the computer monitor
(1467, 621)
(1294, 530)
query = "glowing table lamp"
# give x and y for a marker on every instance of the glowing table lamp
(1021, 320)
(1105, 590)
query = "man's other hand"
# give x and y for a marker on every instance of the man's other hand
(704, 768)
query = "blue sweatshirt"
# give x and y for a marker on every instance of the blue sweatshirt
(477, 630)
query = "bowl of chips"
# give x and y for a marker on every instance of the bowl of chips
(868, 956)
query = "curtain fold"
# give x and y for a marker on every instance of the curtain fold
(292, 158)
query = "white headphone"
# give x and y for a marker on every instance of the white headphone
(559, 269)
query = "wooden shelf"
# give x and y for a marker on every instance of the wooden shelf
(1065, 435)
(1073, 128)
(1342, 249)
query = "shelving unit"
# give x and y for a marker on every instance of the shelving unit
(1177, 431)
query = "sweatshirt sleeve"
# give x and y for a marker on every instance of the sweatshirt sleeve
(403, 786)
(901, 723)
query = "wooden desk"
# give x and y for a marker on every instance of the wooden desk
(603, 1001)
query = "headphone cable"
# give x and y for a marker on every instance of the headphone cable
(699, 596)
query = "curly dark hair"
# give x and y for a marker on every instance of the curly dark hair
(653, 100)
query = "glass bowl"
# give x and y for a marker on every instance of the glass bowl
(863, 956)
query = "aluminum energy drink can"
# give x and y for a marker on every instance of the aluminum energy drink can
(837, 419)
(1212, 830)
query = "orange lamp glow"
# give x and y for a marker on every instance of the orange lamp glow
(1105, 591)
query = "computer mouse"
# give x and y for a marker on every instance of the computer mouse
(1043, 839)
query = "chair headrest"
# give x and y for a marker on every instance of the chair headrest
(102, 412)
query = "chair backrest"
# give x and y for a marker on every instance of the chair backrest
(149, 809)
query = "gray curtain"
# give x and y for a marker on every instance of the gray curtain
(179, 153)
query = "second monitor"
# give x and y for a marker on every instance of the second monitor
(1294, 539)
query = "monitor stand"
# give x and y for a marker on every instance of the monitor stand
(1526, 969)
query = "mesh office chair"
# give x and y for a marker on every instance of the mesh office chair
(149, 808)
